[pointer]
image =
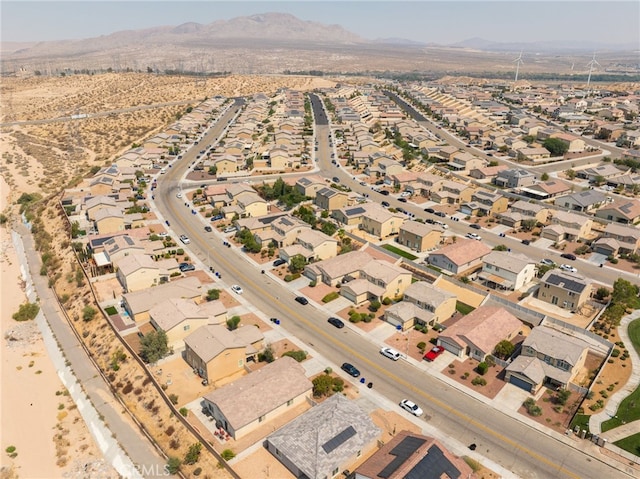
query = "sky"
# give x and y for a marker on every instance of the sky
(442, 22)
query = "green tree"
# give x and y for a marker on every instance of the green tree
(213, 294)
(173, 465)
(297, 355)
(322, 385)
(193, 454)
(625, 293)
(88, 313)
(545, 176)
(504, 349)
(154, 346)
(571, 174)
(601, 293)
(563, 396)
(528, 225)
(297, 263)
(26, 312)
(233, 323)
(555, 146)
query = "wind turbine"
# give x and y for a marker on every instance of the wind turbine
(518, 61)
(591, 64)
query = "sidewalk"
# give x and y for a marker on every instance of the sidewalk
(83, 380)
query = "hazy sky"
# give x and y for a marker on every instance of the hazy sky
(427, 21)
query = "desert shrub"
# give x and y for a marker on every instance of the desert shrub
(173, 398)
(170, 430)
(197, 471)
(386, 301)
(266, 355)
(297, 355)
(88, 313)
(233, 323)
(184, 411)
(173, 465)
(331, 296)
(482, 368)
(374, 305)
(478, 381)
(532, 408)
(615, 353)
(228, 454)
(193, 454)
(313, 284)
(26, 312)
(213, 294)
(422, 346)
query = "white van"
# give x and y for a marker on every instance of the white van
(390, 353)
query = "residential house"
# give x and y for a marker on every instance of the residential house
(332, 271)
(326, 440)
(507, 271)
(284, 231)
(423, 304)
(618, 239)
(242, 406)
(352, 215)
(109, 220)
(376, 280)
(408, 455)
(522, 211)
(464, 162)
(96, 203)
(459, 257)
(584, 201)
(251, 204)
(548, 358)
(314, 245)
(605, 170)
(419, 236)
(514, 178)
(629, 182)
(139, 271)
(563, 289)
(477, 334)
(625, 211)
(380, 222)
(309, 185)
(532, 153)
(575, 144)
(258, 224)
(567, 226)
(546, 190)
(451, 193)
(178, 317)
(485, 203)
(330, 199)
(487, 173)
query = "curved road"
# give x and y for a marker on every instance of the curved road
(526, 451)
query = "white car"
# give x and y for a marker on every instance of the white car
(441, 224)
(390, 353)
(237, 289)
(405, 194)
(411, 407)
(473, 236)
(179, 195)
(547, 262)
(568, 268)
(185, 239)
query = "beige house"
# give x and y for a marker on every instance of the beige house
(225, 164)
(96, 203)
(565, 290)
(419, 236)
(464, 162)
(139, 303)
(459, 257)
(284, 231)
(109, 220)
(485, 203)
(179, 317)
(567, 226)
(309, 185)
(451, 193)
(548, 358)
(251, 204)
(522, 211)
(423, 304)
(242, 406)
(313, 245)
(381, 223)
(625, 211)
(376, 280)
(618, 239)
(507, 271)
(477, 334)
(139, 271)
(219, 355)
(330, 199)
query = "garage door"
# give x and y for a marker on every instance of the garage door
(522, 384)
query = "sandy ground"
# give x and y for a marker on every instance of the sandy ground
(34, 406)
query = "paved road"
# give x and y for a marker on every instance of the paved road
(518, 447)
(128, 436)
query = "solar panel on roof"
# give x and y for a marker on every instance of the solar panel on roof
(433, 466)
(339, 439)
(568, 283)
(355, 211)
(402, 451)
(128, 240)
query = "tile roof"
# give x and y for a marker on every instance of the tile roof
(464, 251)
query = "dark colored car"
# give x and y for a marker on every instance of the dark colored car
(385, 204)
(351, 370)
(217, 217)
(184, 267)
(208, 229)
(402, 200)
(475, 226)
(568, 256)
(279, 262)
(526, 241)
(429, 220)
(302, 300)
(336, 179)
(429, 210)
(336, 322)
(440, 214)
(384, 193)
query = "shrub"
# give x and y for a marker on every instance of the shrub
(228, 454)
(213, 294)
(10, 449)
(173, 398)
(482, 368)
(26, 312)
(422, 346)
(313, 284)
(193, 454)
(331, 296)
(173, 465)
(233, 323)
(386, 301)
(374, 306)
(532, 409)
(88, 313)
(297, 355)
(184, 411)
(197, 471)
(478, 381)
(615, 353)
(266, 355)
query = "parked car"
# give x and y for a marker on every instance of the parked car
(229, 229)
(411, 407)
(336, 322)
(302, 300)
(216, 217)
(405, 194)
(473, 236)
(430, 221)
(390, 353)
(526, 242)
(475, 226)
(440, 214)
(185, 239)
(350, 369)
(402, 200)
(385, 204)
(568, 268)
(208, 229)
(336, 179)
(433, 353)
(184, 267)
(547, 262)
(279, 262)
(429, 210)
(384, 192)
(441, 224)
(570, 256)
(179, 195)
(237, 289)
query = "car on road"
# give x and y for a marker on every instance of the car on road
(405, 194)
(570, 256)
(402, 200)
(441, 224)
(179, 195)
(526, 242)
(208, 229)
(385, 204)
(184, 267)
(433, 353)
(473, 236)
(547, 262)
(336, 179)
(350, 369)
(236, 288)
(279, 262)
(185, 239)
(390, 353)
(384, 192)
(363, 183)
(440, 214)
(336, 322)
(411, 407)
(429, 210)
(302, 300)
(568, 268)
(475, 226)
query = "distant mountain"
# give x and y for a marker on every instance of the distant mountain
(543, 46)
(399, 41)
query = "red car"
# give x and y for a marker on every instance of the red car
(434, 353)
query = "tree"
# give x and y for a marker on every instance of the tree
(297, 263)
(504, 349)
(625, 293)
(545, 176)
(173, 465)
(500, 247)
(213, 294)
(154, 346)
(88, 313)
(193, 454)
(555, 146)
(26, 312)
(563, 396)
(570, 174)
(601, 293)
(528, 225)
(232, 323)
